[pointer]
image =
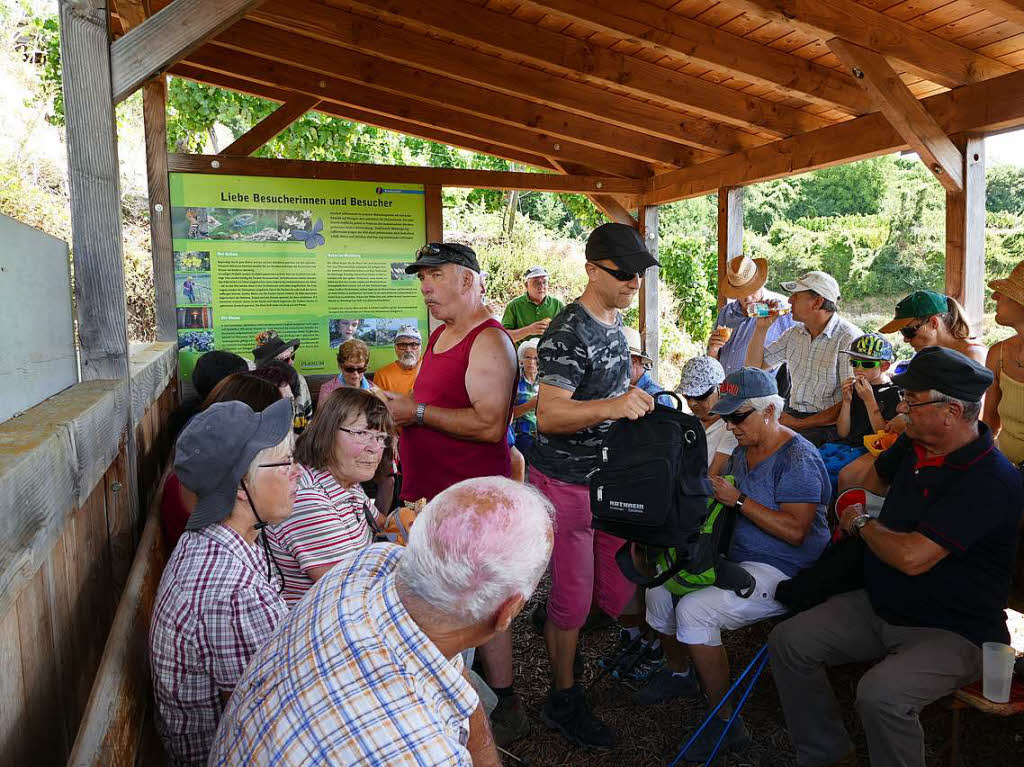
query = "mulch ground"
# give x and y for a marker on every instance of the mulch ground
(653, 735)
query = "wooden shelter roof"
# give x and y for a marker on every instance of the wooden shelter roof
(688, 95)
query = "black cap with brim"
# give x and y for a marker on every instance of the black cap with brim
(272, 348)
(946, 371)
(621, 244)
(440, 253)
(214, 451)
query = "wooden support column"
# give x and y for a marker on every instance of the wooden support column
(154, 115)
(730, 231)
(965, 234)
(650, 334)
(434, 201)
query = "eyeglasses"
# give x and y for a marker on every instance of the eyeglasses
(905, 401)
(289, 358)
(353, 369)
(408, 347)
(277, 464)
(620, 274)
(911, 330)
(642, 362)
(701, 397)
(366, 437)
(737, 418)
(855, 363)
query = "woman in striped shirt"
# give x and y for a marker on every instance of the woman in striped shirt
(342, 446)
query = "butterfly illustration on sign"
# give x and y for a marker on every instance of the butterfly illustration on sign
(312, 237)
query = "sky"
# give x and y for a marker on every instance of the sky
(1005, 148)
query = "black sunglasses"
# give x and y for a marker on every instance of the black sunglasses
(354, 369)
(737, 418)
(620, 274)
(910, 330)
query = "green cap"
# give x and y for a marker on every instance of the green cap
(920, 303)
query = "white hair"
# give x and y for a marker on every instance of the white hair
(477, 544)
(270, 455)
(773, 401)
(531, 344)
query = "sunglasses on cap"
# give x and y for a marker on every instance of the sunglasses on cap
(701, 397)
(856, 363)
(737, 418)
(620, 274)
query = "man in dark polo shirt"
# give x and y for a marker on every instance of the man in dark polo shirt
(528, 315)
(938, 564)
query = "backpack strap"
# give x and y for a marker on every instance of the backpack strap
(624, 559)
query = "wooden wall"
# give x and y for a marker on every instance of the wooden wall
(62, 574)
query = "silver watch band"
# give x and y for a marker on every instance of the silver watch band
(421, 409)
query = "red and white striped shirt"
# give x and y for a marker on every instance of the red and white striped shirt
(327, 523)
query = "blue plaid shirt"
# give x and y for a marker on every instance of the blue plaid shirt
(349, 679)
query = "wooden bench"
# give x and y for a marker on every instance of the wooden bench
(117, 728)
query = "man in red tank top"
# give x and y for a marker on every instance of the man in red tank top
(455, 423)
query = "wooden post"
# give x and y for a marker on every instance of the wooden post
(154, 115)
(965, 234)
(730, 231)
(434, 203)
(650, 335)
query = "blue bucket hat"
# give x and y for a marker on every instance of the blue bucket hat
(744, 384)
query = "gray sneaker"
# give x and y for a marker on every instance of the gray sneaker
(737, 738)
(665, 685)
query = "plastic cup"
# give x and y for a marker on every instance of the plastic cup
(726, 332)
(996, 671)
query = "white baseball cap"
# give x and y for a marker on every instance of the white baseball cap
(822, 283)
(408, 331)
(535, 271)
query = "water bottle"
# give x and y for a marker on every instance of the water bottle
(764, 309)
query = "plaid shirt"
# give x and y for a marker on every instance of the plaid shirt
(349, 679)
(815, 365)
(214, 610)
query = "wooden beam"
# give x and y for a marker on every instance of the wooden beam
(341, 171)
(432, 116)
(154, 117)
(730, 232)
(271, 125)
(1011, 10)
(650, 325)
(990, 105)
(130, 12)
(925, 54)
(353, 114)
(418, 52)
(324, 69)
(904, 112)
(166, 37)
(472, 25)
(434, 201)
(655, 28)
(965, 235)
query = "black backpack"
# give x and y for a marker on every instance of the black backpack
(651, 487)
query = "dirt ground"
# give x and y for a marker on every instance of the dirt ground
(653, 735)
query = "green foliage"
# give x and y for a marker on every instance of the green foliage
(689, 267)
(1004, 189)
(841, 190)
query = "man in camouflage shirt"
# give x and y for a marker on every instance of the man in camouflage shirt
(584, 386)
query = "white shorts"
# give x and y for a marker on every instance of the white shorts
(699, 617)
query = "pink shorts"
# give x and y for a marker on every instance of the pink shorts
(583, 568)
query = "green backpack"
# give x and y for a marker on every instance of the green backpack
(709, 567)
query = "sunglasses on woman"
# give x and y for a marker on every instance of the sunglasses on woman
(354, 369)
(855, 363)
(737, 418)
(620, 274)
(911, 330)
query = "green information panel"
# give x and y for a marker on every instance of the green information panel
(322, 261)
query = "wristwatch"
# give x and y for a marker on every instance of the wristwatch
(858, 523)
(739, 501)
(421, 408)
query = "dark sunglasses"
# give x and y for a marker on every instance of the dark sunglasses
(911, 330)
(620, 274)
(737, 418)
(702, 397)
(855, 363)
(354, 369)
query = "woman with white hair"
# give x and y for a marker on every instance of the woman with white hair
(780, 495)
(524, 414)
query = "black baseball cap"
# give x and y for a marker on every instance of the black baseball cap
(946, 371)
(621, 244)
(437, 253)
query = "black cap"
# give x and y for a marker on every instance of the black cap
(621, 244)
(270, 344)
(437, 253)
(947, 372)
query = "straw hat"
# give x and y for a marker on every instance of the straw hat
(744, 276)
(1013, 286)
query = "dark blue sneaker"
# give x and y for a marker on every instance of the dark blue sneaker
(736, 739)
(665, 685)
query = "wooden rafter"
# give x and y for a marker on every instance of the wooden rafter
(1011, 10)
(929, 56)
(324, 70)
(990, 105)
(165, 37)
(460, 177)
(608, 204)
(389, 104)
(651, 26)
(386, 43)
(271, 125)
(468, 23)
(904, 112)
(362, 116)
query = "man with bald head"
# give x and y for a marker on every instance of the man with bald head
(367, 668)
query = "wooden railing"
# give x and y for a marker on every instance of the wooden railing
(67, 541)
